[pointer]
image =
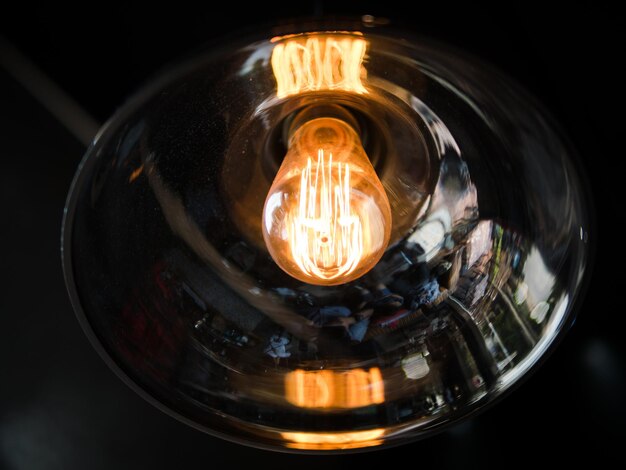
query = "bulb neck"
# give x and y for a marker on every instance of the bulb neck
(313, 112)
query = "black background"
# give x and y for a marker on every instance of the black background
(61, 407)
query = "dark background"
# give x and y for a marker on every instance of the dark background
(61, 407)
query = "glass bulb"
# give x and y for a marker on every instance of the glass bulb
(326, 218)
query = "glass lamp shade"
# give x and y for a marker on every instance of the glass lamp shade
(477, 254)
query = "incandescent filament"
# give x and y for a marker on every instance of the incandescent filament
(325, 235)
(326, 220)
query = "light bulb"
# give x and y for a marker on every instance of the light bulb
(326, 219)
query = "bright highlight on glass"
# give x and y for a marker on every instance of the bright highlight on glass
(335, 440)
(318, 62)
(326, 218)
(352, 388)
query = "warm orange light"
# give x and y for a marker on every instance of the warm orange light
(352, 388)
(318, 62)
(336, 440)
(326, 218)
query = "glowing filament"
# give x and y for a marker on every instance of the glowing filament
(326, 221)
(326, 238)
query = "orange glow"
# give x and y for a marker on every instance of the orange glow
(324, 233)
(326, 220)
(334, 389)
(337, 440)
(135, 174)
(318, 62)
(377, 385)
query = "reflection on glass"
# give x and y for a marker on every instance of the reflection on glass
(334, 389)
(305, 63)
(330, 441)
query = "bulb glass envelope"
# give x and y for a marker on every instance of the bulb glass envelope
(172, 281)
(326, 219)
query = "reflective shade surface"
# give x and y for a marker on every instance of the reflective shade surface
(481, 259)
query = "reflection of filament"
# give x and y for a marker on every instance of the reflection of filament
(336, 440)
(334, 389)
(326, 239)
(318, 63)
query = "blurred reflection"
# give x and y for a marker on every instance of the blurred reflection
(415, 366)
(337, 440)
(334, 389)
(538, 280)
(445, 324)
(318, 62)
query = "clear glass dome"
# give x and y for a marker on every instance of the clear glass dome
(170, 276)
